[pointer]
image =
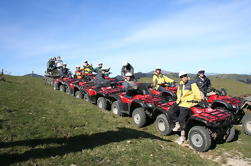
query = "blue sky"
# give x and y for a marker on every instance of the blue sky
(177, 35)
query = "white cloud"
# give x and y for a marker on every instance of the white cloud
(203, 22)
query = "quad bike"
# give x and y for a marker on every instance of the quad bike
(171, 90)
(204, 125)
(137, 103)
(235, 105)
(98, 93)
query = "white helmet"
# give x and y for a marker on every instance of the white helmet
(128, 74)
(158, 68)
(201, 69)
(77, 66)
(182, 73)
(125, 63)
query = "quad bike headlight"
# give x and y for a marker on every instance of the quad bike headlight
(149, 105)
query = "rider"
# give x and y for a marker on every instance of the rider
(99, 68)
(59, 62)
(129, 82)
(65, 71)
(100, 79)
(127, 68)
(188, 95)
(51, 64)
(87, 69)
(78, 73)
(203, 82)
(159, 80)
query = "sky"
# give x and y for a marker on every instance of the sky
(176, 35)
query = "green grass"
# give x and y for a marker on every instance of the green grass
(40, 126)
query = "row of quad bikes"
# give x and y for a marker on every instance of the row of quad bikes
(209, 123)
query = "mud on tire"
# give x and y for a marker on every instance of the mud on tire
(116, 108)
(199, 138)
(68, 90)
(231, 135)
(87, 97)
(55, 87)
(246, 124)
(139, 117)
(62, 88)
(163, 124)
(78, 94)
(102, 103)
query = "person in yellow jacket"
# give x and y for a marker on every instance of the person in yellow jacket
(188, 95)
(160, 80)
(87, 69)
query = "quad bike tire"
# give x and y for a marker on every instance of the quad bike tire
(139, 117)
(55, 87)
(199, 138)
(116, 108)
(246, 124)
(231, 135)
(52, 82)
(163, 124)
(62, 88)
(78, 95)
(102, 103)
(87, 97)
(68, 91)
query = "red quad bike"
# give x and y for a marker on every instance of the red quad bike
(138, 103)
(75, 87)
(72, 85)
(95, 92)
(60, 83)
(50, 79)
(235, 105)
(98, 93)
(204, 125)
(171, 90)
(80, 87)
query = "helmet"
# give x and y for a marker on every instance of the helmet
(85, 61)
(201, 70)
(77, 66)
(128, 74)
(100, 64)
(158, 68)
(182, 73)
(125, 63)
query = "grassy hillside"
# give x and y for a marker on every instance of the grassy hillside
(40, 126)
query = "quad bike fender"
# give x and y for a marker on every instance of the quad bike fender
(217, 103)
(76, 88)
(115, 97)
(137, 103)
(123, 106)
(193, 120)
(159, 110)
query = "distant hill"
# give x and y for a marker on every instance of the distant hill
(246, 78)
(239, 77)
(34, 75)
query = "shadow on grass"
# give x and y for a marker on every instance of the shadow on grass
(69, 145)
